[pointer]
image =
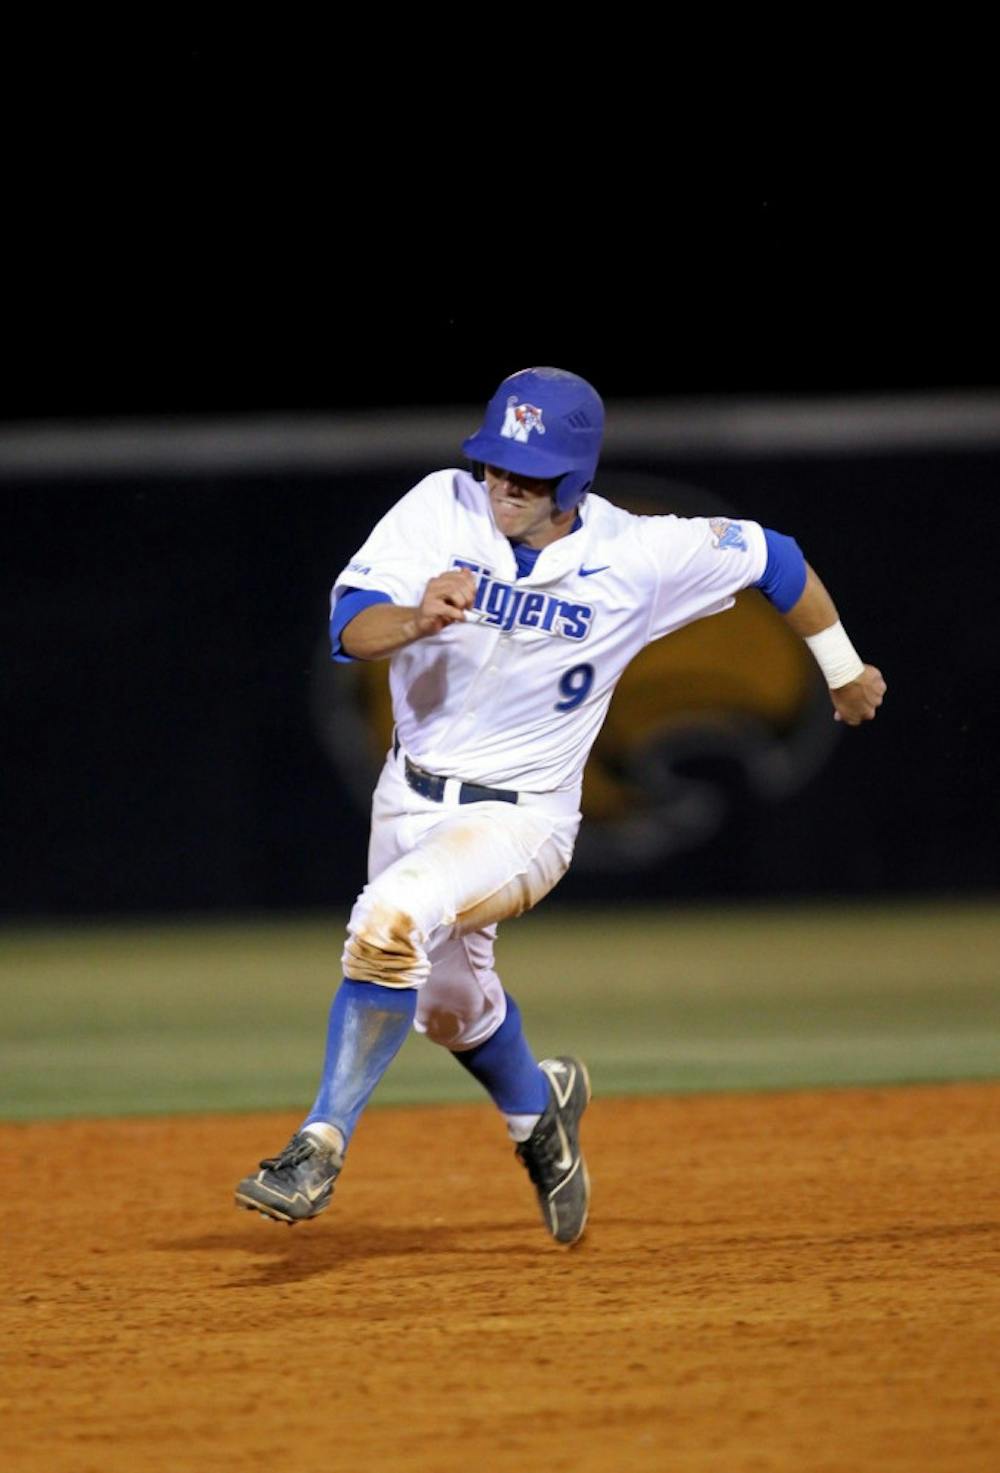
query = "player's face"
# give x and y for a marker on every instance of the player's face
(524, 507)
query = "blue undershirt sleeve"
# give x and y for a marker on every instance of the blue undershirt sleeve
(784, 578)
(349, 604)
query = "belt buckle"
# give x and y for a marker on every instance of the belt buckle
(427, 784)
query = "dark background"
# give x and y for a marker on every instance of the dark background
(159, 632)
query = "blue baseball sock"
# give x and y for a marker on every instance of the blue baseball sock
(367, 1027)
(507, 1069)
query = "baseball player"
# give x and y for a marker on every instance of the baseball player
(508, 600)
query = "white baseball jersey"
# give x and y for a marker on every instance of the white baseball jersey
(514, 697)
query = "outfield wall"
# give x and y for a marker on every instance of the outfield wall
(174, 740)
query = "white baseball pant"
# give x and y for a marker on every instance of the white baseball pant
(441, 877)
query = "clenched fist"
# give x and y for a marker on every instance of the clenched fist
(445, 601)
(859, 700)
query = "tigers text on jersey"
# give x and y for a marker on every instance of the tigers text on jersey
(515, 696)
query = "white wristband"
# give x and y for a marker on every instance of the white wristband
(835, 656)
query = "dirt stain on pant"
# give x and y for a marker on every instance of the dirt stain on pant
(512, 899)
(383, 950)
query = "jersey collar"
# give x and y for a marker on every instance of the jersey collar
(553, 562)
(560, 557)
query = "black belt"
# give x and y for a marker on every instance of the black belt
(429, 785)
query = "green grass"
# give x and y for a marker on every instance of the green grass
(136, 1019)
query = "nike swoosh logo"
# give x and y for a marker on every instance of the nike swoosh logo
(588, 572)
(310, 1193)
(554, 1071)
(566, 1160)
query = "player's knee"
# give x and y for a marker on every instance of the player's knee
(459, 1018)
(453, 1030)
(384, 945)
(367, 961)
(443, 1027)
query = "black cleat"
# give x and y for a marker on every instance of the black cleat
(296, 1185)
(552, 1152)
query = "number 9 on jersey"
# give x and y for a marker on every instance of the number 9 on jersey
(574, 687)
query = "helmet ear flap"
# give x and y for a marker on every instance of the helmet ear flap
(572, 488)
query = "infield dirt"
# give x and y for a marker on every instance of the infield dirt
(796, 1281)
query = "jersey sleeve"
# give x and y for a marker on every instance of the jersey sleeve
(700, 564)
(784, 577)
(349, 604)
(395, 558)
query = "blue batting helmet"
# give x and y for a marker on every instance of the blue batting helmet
(543, 422)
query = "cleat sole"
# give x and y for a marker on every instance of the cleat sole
(270, 1212)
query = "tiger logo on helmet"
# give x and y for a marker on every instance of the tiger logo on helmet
(520, 420)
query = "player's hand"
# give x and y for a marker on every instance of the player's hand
(859, 701)
(445, 601)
